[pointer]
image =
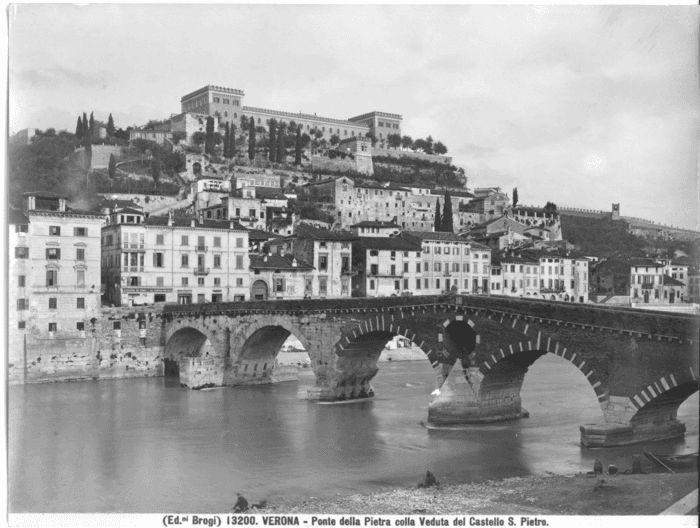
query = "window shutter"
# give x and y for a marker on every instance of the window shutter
(154, 259)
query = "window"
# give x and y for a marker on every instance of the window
(417, 267)
(455, 267)
(322, 285)
(21, 281)
(373, 269)
(54, 230)
(251, 213)
(217, 281)
(80, 231)
(217, 241)
(159, 297)
(239, 281)
(185, 241)
(279, 285)
(53, 303)
(426, 250)
(53, 254)
(437, 283)
(393, 269)
(217, 261)
(23, 304)
(437, 266)
(239, 242)
(21, 228)
(52, 277)
(397, 285)
(133, 281)
(22, 252)
(374, 253)
(21, 325)
(158, 260)
(80, 303)
(80, 277)
(239, 261)
(116, 325)
(323, 262)
(371, 284)
(160, 240)
(184, 281)
(200, 281)
(53, 327)
(465, 267)
(159, 281)
(80, 254)
(405, 284)
(184, 261)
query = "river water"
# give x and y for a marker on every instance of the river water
(146, 445)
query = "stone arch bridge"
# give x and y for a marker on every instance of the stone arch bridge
(641, 365)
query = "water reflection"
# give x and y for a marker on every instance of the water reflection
(143, 445)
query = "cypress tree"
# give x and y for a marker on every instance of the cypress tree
(88, 149)
(273, 140)
(297, 148)
(515, 196)
(438, 221)
(112, 166)
(227, 140)
(281, 153)
(79, 129)
(209, 141)
(232, 144)
(86, 127)
(92, 125)
(447, 224)
(251, 139)
(110, 126)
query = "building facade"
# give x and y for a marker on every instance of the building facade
(165, 259)
(280, 277)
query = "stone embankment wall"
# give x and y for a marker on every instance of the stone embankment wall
(447, 160)
(148, 202)
(100, 155)
(119, 343)
(319, 163)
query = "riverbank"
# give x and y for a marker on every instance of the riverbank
(580, 494)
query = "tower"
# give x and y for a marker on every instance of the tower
(616, 211)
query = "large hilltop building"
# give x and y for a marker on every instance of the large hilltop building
(227, 105)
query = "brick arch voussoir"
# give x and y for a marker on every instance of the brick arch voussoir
(386, 323)
(536, 340)
(660, 386)
(242, 337)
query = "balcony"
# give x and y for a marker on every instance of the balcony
(349, 271)
(133, 269)
(201, 248)
(561, 289)
(201, 270)
(396, 274)
(126, 245)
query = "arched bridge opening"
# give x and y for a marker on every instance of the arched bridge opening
(185, 343)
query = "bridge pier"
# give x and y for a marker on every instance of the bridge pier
(201, 372)
(463, 400)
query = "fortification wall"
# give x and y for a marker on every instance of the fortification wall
(447, 160)
(344, 165)
(585, 213)
(101, 351)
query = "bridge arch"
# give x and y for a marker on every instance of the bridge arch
(357, 351)
(183, 341)
(257, 345)
(659, 401)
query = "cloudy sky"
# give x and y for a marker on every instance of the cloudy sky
(581, 105)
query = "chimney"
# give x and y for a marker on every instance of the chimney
(294, 262)
(230, 225)
(170, 218)
(265, 258)
(193, 223)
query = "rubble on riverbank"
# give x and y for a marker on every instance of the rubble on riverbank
(550, 495)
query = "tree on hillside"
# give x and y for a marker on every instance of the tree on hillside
(155, 171)
(440, 148)
(281, 143)
(232, 141)
(209, 138)
(429, 145)
(112, 166)
(272, 142)
(86, 127)
(420, 144)
(394, 141)
(227, 141)
(407, 142)
(515, 196)
(438, 220)
(110, 126)
(88, 149)
(550, 206)
(372, 137)
(447, 224)
(79, 128)
(335, 139)
(297, 147)
(198, 138)
(93, 132)
(251, 139)
(244, 122)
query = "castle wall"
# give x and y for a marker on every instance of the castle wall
(447, 160)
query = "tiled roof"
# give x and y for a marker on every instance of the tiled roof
(16, 216)
(129, 210)
(270, 193)
(476, 245)
(389, 243)
(436, 235)
(184, 221)
(44, 194)
(278, 262)
(258, 234)
(670, 281)
(375, 223)
(323, 234)
(320, 182)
